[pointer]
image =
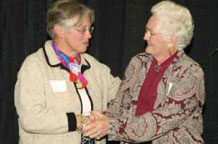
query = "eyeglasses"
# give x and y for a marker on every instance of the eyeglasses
(149, 33)
(83, 30)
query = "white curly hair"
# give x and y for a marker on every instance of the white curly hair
(174, 20)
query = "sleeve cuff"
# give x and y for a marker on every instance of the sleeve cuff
(72, 123)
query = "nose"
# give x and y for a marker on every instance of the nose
(88, 34)
(146, 36)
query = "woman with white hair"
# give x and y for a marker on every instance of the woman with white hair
(161, 97)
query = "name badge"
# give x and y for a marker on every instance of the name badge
(58, 85)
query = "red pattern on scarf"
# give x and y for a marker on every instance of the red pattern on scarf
(148, 91)
(73, 77)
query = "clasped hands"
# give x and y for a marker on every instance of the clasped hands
(97, 125)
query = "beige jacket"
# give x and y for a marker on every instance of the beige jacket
(44, 94)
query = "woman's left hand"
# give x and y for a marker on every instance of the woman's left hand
(98, 127)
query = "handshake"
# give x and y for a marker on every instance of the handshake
(94, 126)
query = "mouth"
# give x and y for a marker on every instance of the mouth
(149, 45)
(86, 43)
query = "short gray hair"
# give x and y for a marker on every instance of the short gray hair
(64, 12)
(174, 21)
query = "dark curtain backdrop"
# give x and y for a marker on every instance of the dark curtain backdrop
(118, 35)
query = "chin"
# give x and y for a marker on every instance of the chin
(148, 50)
(83, 50)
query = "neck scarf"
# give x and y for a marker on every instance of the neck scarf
(74, 66)
(148, 91)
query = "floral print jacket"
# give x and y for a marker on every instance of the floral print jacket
(177, 114)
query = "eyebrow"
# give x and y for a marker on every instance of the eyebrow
(146, 28)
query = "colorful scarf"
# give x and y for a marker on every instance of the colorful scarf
(74, 66)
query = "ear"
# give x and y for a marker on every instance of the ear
(172, 42)
(172, 45)
(58, 31)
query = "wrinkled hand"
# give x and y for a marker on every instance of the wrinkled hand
(97, 127)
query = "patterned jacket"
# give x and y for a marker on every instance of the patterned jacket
(177, 114)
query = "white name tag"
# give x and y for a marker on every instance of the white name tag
(169, 88)
(58, 85)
